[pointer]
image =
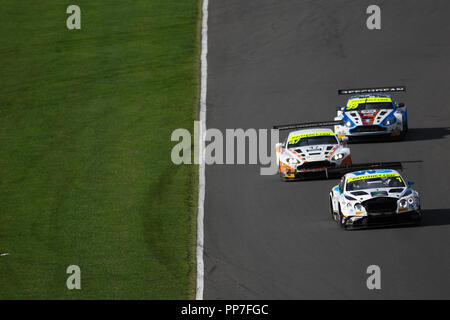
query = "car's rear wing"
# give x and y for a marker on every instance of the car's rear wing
(372, 90)
(364, 166)
(307, 125)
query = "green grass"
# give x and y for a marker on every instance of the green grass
(85, 170)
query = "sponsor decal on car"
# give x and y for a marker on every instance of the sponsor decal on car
(372, 176)
(296, 138)
(353, 103)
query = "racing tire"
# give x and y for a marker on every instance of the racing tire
(283, 178)
(333, 215)
(339, 219)
(404, 131)
(419, 221)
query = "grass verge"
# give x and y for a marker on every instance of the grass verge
(85, 172)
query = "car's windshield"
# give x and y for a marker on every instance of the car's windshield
(309, 141)
(371, 106)
(380, 181)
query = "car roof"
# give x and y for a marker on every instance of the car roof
(310, 131)
(370, 171)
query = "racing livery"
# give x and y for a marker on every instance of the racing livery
(311, 151)
(374, 197)
(371, 114)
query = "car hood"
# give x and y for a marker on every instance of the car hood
(315, 152)
(363, 195)
(368, 117)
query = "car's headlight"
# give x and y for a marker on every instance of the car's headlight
(349, 205)
(358, 207)
(403, 203)
(349, 124)
(389, 121)
(293, 161)
(410, 200)
(338, 156)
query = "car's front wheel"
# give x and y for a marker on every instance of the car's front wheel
(333, 215)
(339, 218)
(404, 130)
(419, 219)
(283, 177)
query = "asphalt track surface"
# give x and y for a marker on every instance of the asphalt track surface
(274, 62)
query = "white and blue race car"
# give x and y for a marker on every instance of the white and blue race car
(374, 198)
(371, 114)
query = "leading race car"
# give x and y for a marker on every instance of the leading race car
(311, 151)
(373, 198)
(371, 114)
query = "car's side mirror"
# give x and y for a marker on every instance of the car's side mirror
(343, 138)
(410, 183)
(338, 108)
(401, 104)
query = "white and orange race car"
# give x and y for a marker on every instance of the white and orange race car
(311, 151)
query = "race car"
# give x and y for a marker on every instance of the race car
(371, 114)
(374, 198)
(311, 151)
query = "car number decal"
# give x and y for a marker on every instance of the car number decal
(372, 176)
(354, 103)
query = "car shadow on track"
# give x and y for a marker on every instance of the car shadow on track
(435, 217)
(420, 134)
(430, 218)
(414, 134)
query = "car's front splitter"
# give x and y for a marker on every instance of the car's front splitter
(384, 220)
(388, 132)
